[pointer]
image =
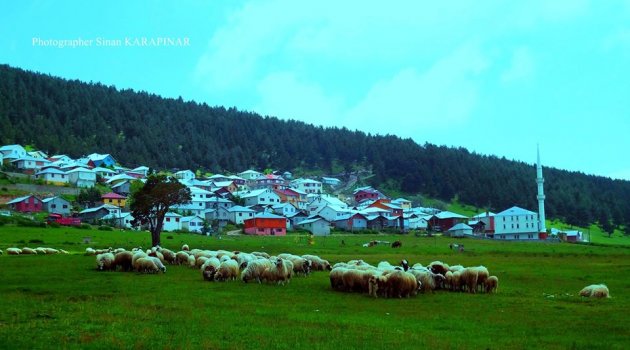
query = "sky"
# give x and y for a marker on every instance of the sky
(496, 77)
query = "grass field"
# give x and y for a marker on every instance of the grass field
(62, 302)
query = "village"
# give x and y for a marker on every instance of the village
(270, 203)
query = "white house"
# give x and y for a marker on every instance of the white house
(144, 170)
(307, 185)
(460, 230)
(38, 154)
(263, 196)
(331, 181)
(124, 220)
(12, 152)
(52, 175)
(105, 173)
(284, 209)
(30, 163)
(184, 175)
(82, 177)
(317, 226)
(250, 175)
(417, 223)
(238, 214)
(516, 223)
(331, 212)
(316, 202)
(172, 222)
(192, 223)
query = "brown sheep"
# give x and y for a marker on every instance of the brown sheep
(357, 280)
(400, 284)
(280, 271)
(182, 258)
(124, 260)
(397, 244)
(438, 267)
(169, 256)
(336, 278)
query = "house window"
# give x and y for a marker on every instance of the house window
(240, 214)
(53, 206)
(517, 237)
(176, 219)
(517, 225)
(262, 199)
(65, 206)
(168, 219)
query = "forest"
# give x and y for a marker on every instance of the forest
(138, 128)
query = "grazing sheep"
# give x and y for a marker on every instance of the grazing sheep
(336, 278)
(417, 266)
(357, 280)
(169, 256)
(42, 251)
(456, 281)
(427, 280)
(158, 263)
(491, 284)
(146, 265)
(468, 279)
(397, 244)
(185, 247)
(182, 258)
(27, 250)
(90, 251)
(158, 255)
(200, 261)
(438, 267)
(398, 284)
(119, 250)
(105, 262)
(255, 270)
(50, 250)
(482, 276)
(124, 260)
(280, 271)
(192, 261)
(14, 251)
(595, 291)
(228, 270)
(209, 268)
(244, 258)
(225, 257)
(63, 251)
(317, 263)
(405, 264)
(448, 280)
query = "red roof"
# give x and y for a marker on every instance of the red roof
(113, 195)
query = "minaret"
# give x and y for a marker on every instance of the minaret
(541, 195)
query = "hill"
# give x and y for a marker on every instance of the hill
(78, 118)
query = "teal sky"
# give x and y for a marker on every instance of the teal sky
(496, 77)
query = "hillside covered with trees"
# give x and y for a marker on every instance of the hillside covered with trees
(138, 128)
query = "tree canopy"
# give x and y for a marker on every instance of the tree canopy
(151, 203)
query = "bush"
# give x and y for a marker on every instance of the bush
(169, 237)
(36, 241)
(54, 225)
(30, 223)
(105, 228)
(84, 227)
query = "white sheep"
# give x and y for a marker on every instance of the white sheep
(317, 263)
(491, 284)
(124, 260)
(595, 291)
(27, 250)
(192, 262)
(182, 257)
(105, 262)
(90, 251)
(280, 271)
(228, 270)
(146, 265)
(14, 251)
(158, 263)
(255, 270)
(185, 247)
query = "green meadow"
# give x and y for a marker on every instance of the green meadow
(61, 301)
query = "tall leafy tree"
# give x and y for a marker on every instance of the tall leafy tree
(151, 203)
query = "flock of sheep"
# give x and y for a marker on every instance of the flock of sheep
(386, 280)
(34, 251)
(383, 280)
(219, 265)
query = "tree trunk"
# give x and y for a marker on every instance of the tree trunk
(156, 234)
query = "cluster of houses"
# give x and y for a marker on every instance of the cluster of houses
(264, 204)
